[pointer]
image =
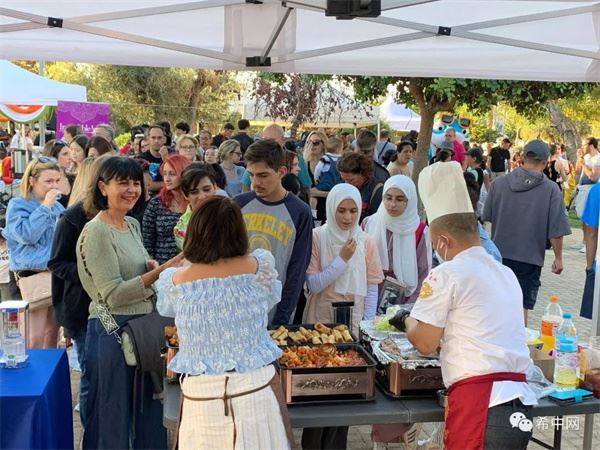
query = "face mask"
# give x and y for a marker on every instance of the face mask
(438, 248)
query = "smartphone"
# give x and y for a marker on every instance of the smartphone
(570, 397)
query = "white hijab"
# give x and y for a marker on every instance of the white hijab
(332, 238)
(403, 228)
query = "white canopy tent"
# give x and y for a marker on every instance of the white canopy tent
(22, 87)
(399, 117)
(498, 39)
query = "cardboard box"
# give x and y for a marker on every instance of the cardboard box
(543, 361)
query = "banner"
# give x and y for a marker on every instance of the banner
(85, 114)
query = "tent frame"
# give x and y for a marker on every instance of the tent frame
(421, 31)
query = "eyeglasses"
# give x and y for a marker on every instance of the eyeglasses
(237, 153)
(316, 142)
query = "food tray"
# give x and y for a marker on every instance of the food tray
(397, 382)
(308, 326)
(330, 384)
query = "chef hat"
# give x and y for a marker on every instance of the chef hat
(443, 190)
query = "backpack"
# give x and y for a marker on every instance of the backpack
(330, 175)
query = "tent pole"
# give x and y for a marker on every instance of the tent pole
(378, 127)
(42, 126)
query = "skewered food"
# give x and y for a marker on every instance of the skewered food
(316, 357)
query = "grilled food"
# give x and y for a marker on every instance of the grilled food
(316, 357)
(321, 334)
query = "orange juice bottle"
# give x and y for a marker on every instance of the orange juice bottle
(551, 319)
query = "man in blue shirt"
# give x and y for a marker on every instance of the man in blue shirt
(590, 219)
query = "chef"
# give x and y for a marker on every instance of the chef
(470, 306)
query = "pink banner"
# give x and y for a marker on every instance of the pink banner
(85, 114)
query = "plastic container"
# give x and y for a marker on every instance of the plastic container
(590, 366)
(13, 329)
(550, 321)
(566, 367)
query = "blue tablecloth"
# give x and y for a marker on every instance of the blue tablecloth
(35, 403)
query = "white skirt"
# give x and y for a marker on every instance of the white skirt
(258, 420)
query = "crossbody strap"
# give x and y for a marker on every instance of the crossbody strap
(106, 318)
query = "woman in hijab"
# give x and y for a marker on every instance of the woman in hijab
(344, 266)
(400, 236)
(405, 252)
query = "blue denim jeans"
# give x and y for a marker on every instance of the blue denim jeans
(120, 410)
(84, 383)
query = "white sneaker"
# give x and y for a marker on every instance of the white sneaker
(410, 437)
(577, 246)
(582, 250)
(76, 407)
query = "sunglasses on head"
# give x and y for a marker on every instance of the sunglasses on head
(316, 142)
(45, 160)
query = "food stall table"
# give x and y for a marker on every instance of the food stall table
(385, 410)
(35, 403)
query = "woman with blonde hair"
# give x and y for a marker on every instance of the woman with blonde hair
(314, 149)
(30, 222)
(230, 153)
(187, 146)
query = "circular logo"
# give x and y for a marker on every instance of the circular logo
(259, 241)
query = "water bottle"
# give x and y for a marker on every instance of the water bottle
(13, 345)
(566, 364)
(550, 321)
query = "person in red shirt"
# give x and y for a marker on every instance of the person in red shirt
(6, 163)
(459, 150)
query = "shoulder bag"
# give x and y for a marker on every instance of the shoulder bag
(36, 289)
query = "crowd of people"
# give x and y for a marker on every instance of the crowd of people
(230, 233)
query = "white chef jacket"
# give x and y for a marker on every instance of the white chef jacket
(479, 304)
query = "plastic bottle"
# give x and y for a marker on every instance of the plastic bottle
(550, 321)
(14, 351)
(566, 364)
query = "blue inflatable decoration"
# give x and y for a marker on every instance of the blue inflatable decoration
(443, 122)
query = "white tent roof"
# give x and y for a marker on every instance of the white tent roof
(499, 39)
(21, 87)
(399, 116)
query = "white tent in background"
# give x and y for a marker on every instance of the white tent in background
(22, 87)
(497, 39)
(399, 117)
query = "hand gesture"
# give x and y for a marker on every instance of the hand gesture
(348, 249)
(51, 196)
(164, 152)
(152, 264)
(557, 266)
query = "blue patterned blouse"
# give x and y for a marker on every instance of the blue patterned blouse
(222, 322)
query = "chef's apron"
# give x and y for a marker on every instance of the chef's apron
(467, 412)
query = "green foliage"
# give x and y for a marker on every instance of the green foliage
(148, 94)
(122, 139)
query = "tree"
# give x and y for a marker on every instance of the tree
(148, 94)
(432, 95)
(299, 99)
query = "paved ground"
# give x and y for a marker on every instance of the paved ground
(568, 287)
